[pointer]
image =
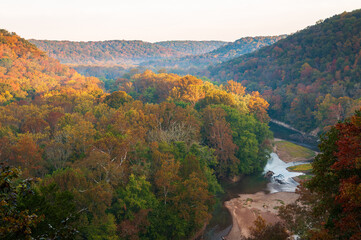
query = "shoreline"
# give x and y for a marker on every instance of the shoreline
(247, 207)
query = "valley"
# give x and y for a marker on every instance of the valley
(257, 138)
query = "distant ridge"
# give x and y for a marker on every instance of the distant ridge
(165, 54)
(223, 53)
(114, 52)
(192, 47)
(243, 46)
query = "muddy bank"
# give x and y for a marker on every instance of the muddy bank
(247, 207)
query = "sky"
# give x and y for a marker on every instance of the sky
(160, 20)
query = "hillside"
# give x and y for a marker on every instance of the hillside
(242, 46)
(310, 78)
(117, 52)
(192, 47)
(223, 53)
(25, 71)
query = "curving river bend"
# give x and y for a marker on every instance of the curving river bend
(221, 222)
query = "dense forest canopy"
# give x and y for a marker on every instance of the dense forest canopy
(142, 162)
(311, 78)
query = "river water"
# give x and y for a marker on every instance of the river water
(221, 222)
(283, 179)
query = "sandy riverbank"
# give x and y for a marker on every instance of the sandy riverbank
(247, 207)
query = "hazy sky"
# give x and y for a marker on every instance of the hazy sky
(158, 20)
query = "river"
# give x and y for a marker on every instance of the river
(221, 222)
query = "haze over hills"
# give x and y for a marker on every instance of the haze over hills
(243, 46)
(192, 47)
(110, 59)
(311, 78)
(120, 52)
(223, 53)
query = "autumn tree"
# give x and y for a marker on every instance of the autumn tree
(34, 125)
(235, 87)
(219, 136)
(216, 96)
(116, 99)
(166, 178)
(27, 154)
(258, 106)
(188, 89)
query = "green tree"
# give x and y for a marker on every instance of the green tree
(15, 221)
(250, 136)
(135, 196)
(59, 211)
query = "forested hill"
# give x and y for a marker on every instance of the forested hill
(242, 46)
(223, 53)
(25, 71)
(117, 52)
(192, 47)
(311, 78)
